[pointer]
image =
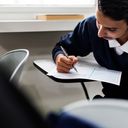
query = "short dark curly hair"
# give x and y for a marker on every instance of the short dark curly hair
(115, 9)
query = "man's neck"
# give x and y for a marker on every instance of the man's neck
(123, 39)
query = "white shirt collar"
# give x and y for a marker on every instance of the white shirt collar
(115, 44)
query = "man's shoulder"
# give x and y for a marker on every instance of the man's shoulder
(90, 22)
(90, 19)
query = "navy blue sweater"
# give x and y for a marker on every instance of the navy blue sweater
(84, 39)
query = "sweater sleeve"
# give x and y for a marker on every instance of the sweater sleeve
(75, 43)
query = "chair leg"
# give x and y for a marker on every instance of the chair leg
(85, 90)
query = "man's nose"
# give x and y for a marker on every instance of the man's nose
(101, 31)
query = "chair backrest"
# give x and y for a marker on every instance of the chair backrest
(12, 63)
(104, 113)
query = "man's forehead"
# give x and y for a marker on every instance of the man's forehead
(108, 22)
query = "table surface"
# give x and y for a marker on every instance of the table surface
(46, 65)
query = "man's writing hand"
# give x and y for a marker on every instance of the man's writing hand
(64, 64)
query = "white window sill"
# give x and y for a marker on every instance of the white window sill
(36, 25)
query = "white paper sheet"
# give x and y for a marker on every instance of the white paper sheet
(89, 69)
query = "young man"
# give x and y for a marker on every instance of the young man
(106, 35)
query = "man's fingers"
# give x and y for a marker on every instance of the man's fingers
(64, 64)
(74, 59)
(66, 60)
(62, 69)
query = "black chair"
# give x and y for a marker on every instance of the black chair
(17, 111)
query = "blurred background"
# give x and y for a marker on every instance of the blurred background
(19, 28)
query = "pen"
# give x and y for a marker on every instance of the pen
(65, 53)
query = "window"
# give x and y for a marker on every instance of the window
(20, 15)
(28, 9)
(47, 2)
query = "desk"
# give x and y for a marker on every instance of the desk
(88, 69)
(47, 65)
(106, 113)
